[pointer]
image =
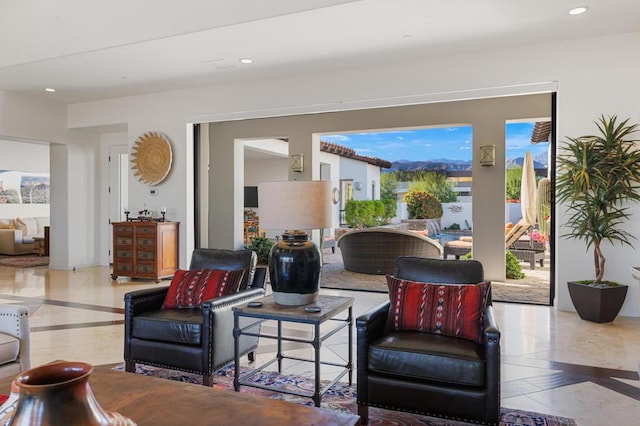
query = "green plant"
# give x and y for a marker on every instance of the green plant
(512, 267)
(454, 227)
(368, 213)
(262, 246)
(435, 184)
(598, 177)
(513, 184)
(388, 185)
(544, 204)
(422, 205)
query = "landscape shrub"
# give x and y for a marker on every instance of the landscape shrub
(368, 213)
(422, 205)
(512, 268)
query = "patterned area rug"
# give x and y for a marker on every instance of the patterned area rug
(24, 261)
(340, 397)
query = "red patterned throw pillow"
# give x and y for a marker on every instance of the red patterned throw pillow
(189, 289)
(449, 309)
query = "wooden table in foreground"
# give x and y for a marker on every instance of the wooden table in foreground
(155, 401)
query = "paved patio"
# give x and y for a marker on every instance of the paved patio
(534, 288)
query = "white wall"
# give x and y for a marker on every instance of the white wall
(356, 170)
(584, 92)
(459, 213)
(331, 164)
(24, 157)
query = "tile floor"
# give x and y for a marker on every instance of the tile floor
(552, 361)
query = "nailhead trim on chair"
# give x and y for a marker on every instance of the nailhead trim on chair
(17, 318)
(425, 413)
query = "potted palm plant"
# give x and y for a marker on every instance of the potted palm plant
(598, 178)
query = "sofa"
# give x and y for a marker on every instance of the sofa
(17, 234)
(375, 250)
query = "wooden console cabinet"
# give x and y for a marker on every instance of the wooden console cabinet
(145, 249)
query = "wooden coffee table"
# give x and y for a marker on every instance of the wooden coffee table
(155, 401)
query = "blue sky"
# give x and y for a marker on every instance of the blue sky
(453, 143)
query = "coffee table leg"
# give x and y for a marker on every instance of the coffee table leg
(236, 353)
(316, 347)
(279, 354)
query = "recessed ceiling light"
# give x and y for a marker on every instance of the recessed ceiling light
(578, 10)
(49, 89)
(246, 61)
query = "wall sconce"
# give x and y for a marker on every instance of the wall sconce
(358, 186)
(297, 163)
(488, 155)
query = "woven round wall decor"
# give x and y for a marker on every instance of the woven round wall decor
(151, 158)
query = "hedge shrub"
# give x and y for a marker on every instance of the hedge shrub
(422, 205)
(368, 213)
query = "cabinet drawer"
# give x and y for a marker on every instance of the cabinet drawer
(124, 230)
(124, 241)
(124, 254)
(146, 242)
(146, 255)
(146, 230)
(123, 267)
(144, 268)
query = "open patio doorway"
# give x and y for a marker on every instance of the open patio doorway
(387, 165)
(528, 213)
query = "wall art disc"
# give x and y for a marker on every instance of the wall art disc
(151, 158)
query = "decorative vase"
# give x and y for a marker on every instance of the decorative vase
(597, 304)
(294, 269)
(59, 394)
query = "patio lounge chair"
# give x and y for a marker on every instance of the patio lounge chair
(375, 250)
(516, 242)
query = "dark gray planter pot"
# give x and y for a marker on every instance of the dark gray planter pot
(597, 304)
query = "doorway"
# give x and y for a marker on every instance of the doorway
(528, 214)
(118, 188)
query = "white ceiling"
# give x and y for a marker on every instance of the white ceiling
(95, 49)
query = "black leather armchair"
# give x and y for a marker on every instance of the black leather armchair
(194, 340)
(425, 373)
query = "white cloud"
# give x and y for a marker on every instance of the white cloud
(335, 138)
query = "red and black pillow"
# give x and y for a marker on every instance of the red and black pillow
(189, 289)
(449, 309)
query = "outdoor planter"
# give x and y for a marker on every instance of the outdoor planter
(597, 304)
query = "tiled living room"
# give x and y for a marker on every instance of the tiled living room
(86, 79)
(552, 362)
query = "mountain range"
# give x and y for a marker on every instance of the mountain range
(445, 164)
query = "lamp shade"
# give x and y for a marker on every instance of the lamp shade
(295, 204)
(295, 261)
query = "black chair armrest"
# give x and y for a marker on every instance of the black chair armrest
(373, 322)
(259, 277)
(491, 330)
(218, 324)
(136, 303)
(232, 299)
(369, 327)
(492, 356)
(139, 301)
